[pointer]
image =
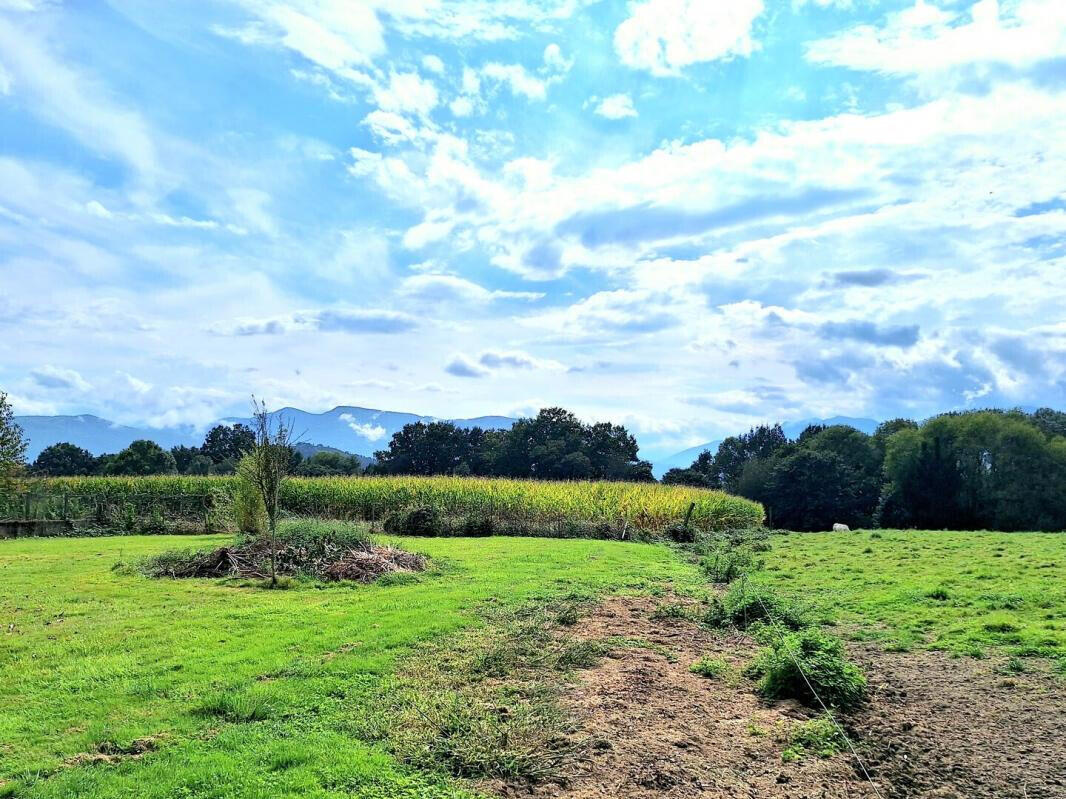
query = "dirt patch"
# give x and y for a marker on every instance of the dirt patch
(658, 730)
(960, 728)
(934, 726)
(110, 752)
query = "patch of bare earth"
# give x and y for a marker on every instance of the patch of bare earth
(934, 726)
(658, 730)
(954, 728)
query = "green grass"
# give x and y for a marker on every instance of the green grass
(969, 593)
(250, 692)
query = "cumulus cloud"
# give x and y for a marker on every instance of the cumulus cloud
(53, 377)
(617, 106)
(461, 366)
(881, 335)
(516, 359)
(664, 36)
(442, 288)
(926, 38)
(326, 321)
(370, 432)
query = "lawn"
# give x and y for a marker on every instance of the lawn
(968, 593)
(93, 658)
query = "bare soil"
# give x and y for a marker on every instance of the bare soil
(934, 726)
(959, 728)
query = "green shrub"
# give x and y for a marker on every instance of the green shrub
(744, 605)
(799, 661)
(249, 512)
(820, 736)
(726, 564)
(423, 520)
(711, 668)
(236, 706)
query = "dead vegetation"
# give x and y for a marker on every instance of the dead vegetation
(304, 547)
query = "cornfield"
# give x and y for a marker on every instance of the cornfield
(636, 508)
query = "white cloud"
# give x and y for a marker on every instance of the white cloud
(68, 100)
(390, 128)
(342, 320)
(517, 78)
(368, 431)
(53, 377)
(333, 34)
(407, 91)
(927, 39)
(555, 60)
(516, 359)
(440, 288)
(433, 64)
(461, 366)
(617, 106)
(664, 36)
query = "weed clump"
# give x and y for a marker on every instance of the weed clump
(819, 736)
(743, 606)
(711, 668)
(806, 665)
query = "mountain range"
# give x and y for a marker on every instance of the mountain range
(346, 428)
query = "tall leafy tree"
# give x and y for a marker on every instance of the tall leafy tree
(12, 443)
(142, 458)
(228, 442)
(62, 460)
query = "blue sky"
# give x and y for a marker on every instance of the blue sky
(683, 215)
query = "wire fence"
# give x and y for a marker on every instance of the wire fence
(781, 631)
(37, 511)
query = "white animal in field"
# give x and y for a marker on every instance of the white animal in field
(841, 528)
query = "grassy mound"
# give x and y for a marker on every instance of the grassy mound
(305, 547)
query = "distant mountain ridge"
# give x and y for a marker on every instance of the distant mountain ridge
(350, 429)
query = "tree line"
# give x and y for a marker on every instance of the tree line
(997, 470)
(220, 453)
(553, 445)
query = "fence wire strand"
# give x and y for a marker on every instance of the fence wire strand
(814, 693)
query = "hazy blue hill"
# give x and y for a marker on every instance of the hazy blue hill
(349, 429)
(97, 435)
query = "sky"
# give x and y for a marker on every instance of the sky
(686, 216)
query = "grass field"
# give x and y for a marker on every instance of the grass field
(92, 659)
(967, 593)
(248, 692)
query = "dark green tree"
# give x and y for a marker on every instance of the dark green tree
(64, 460)
(142, 458)
(435, 448)
(12, 444)
(734, 452)
(227, 443)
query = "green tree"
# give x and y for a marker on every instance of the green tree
(142, 458)
(426, 449)
(63, 460)
(228, 443)
(268, 464)
(12, 444)
(734, 452)
(808, 489)
(183, 457)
